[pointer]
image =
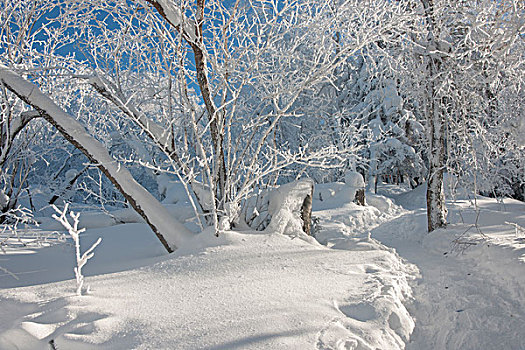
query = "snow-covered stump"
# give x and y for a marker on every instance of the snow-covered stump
(290, 207)
(356, 185)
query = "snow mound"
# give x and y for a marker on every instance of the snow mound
(354, 179)
(414, 199)
(285, 204)
(246, 290)
(249, 291)
(339, 220)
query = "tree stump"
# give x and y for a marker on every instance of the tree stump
(306, 213)
(360, 196)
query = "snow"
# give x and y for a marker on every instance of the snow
(249, 291)
(377, 281)
(4, 199)
(174, 14)
(470, 295)
(354, 179)
(70, 174)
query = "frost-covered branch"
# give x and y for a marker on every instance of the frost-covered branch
(170, 232)
(75, 232)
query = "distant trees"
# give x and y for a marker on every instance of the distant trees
(465, 54)
(205, 86)
(229, 97)
(389, 133)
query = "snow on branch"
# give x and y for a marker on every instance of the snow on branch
(159, 134)
(75, 232)
(518, 229)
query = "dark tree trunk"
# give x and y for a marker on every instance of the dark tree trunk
(306, 213)
(360, 196)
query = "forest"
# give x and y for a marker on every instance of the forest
(201, 120)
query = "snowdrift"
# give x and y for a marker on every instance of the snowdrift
(249, 290)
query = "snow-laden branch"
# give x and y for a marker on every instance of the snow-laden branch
(170, 232)
(159, 134)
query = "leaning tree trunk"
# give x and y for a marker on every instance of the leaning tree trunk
(169, 231)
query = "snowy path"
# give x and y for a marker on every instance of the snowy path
(471, 299)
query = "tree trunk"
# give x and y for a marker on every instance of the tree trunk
(215, 117)
(372, 171)
(169, 231)
(436, 209)
(306, 213)
(360, 196)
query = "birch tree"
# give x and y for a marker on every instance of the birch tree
(464, 56)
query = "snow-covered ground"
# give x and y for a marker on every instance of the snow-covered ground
(377, 281)
(472, 291)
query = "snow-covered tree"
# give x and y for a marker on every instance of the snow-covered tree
(458, 55)
(446, 75)
(229, 96)
(205, 89)
(216, 87)
(30, 46)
